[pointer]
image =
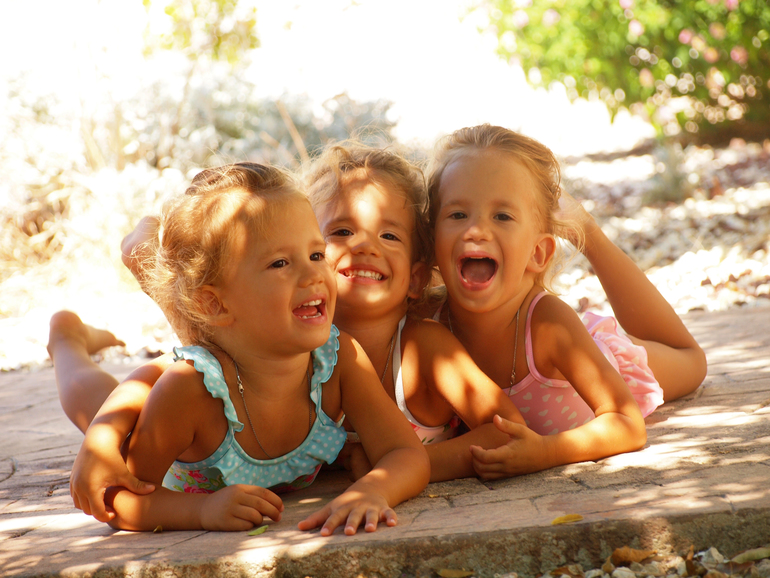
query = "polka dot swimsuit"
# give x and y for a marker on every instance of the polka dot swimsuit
(230, 464)
(550, 406)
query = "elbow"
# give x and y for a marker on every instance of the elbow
(638, 436)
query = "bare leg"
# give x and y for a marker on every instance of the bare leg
(83, 385)
(676, 359)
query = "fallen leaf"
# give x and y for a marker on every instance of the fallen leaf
(608, 567)
(157, 530)
(751, 555)
(258, 531)
(572, 571)
(447, 573)
(569, 518)
(626, 555)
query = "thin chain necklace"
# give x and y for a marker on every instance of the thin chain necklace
(390, 354)
(515, 343)
(248, 416)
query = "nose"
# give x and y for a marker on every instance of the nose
(363, 244)
(477, 229)
(314, 273)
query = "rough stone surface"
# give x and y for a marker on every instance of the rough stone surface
(703, 480)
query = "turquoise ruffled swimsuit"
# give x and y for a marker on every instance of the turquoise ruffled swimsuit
(230, 464)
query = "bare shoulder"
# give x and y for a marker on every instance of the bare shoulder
(427, 333)
(349, 349)
(181, 383)
(554, 322)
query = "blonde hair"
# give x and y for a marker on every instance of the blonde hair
(535, 156)
(197, 236)
(343, 163)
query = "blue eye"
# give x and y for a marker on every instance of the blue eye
(341, 233)
(390, 237)
(317, 256)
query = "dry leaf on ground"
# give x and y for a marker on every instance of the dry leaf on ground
(626, 555)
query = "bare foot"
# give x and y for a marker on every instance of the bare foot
(66, 326)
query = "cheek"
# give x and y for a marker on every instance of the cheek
(333, 255)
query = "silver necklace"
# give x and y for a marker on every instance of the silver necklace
(387, 361)
(515, 342)
(248, 416)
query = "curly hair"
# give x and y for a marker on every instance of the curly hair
(535, 156)
(197, 234)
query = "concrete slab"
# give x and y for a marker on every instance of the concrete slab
(703, 480)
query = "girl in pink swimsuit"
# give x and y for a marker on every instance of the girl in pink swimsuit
(583, 388)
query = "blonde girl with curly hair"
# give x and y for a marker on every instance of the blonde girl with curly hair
(252, 405)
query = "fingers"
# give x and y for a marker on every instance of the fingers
(352, 519)
(507, 426)
(263, 501)
(135, 485)
(315, 519)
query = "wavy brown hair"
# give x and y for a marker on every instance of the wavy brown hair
(197, 234)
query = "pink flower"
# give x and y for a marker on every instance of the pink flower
(195, 489)
(636, 28)
(740, 55)
(626, 4)
(685, 36)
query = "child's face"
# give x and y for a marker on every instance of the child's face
(486, 229)
(281, 290)
(368, 232)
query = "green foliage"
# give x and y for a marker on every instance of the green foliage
(691, 65)
(219, 29)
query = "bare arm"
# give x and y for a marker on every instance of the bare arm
(99, 463)
(181, 416)
(563, 345)
(401, 466)
(448, 369)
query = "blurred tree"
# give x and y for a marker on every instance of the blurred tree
(697, 67)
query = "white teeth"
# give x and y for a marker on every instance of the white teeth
(312, 303)
(310, 316)
(364, 273)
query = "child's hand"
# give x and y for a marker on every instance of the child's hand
(351, 508)
(523, 454)
(570, 209)
(96, 468)
(239, 507)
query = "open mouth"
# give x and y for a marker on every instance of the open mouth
(477, 270)
(311, 309)
(362, 274)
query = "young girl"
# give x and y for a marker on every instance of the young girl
(241, 274)
(371, 206)
(583, 389)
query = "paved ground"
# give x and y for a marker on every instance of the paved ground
(702, 480)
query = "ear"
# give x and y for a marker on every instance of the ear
(210, 302)
(418, 279)
(542, 253)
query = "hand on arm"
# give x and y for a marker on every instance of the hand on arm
(474, 397)
(401, 467)
(100, 463)
(175, 419)
(563, 345)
